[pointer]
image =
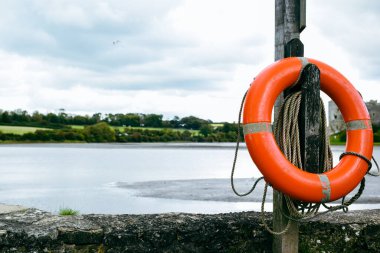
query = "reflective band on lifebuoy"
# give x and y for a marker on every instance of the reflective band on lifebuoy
(257, 127)
(267, 156)
(358, 124)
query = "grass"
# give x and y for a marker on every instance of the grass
(68, 212)
(339, 143)
(215, 125)
(121, 129)
(161, 128)
(77, 127)
(20, 130)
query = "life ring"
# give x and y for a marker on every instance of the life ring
(260, 141)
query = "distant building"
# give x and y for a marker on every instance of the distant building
(336, 122)
(374, 110)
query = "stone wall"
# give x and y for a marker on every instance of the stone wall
(336, 122)
(32, 230)
(374, 111)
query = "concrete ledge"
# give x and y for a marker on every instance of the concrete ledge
(32, 230)
(10, 208)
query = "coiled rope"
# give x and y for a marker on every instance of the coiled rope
(286, 132)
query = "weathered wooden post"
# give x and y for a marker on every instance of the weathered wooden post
(290, 20)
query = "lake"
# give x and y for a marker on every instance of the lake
(106, 178)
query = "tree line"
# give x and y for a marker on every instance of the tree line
(122, 128)
(103, 132)
(119, 127)
(61, 119)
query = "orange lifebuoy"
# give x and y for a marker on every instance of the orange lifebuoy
(269, 159)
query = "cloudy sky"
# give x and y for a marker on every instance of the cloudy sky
(183, 57)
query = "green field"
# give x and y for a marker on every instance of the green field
(20, 130)
(339, 143)
(77, 127)
(215, 125)
(121, 129)
(157, 128)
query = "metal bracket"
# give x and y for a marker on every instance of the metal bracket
(294, 48)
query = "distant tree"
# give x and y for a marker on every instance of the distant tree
(135, 137)
(42, 135)
(37, 117)
(62, 116)
(192, 122)
(100, 132)
(132, 119)
(20, 116)
(5, 117)
(174, 123)
(113, 119)
(52, 118)
(376, 137)
(96, 118)
(228, 127)
(206, 129)
(186, 135)
(153, 120)
(80, 120)
(375, 127)
(72, 134)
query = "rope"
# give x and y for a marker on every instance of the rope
(289, 110)
(287, 135)
(286, 132)
(256, 182)
(345, 204)
(236, 155)
(263, 217)
(378, 169)
(358, 155)
(366, 160)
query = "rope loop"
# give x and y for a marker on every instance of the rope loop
(377, 167)
(286, 132)
(358, 155)
(236, 155)
(263, 217)
(365, 159)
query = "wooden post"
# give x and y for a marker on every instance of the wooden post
(290, 16)
(309, 119)
(290, 20)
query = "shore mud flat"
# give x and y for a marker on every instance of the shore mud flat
(220, 190)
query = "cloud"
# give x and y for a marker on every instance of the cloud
(186, 57)
(351, 26)
(158, 47)
(79, 32)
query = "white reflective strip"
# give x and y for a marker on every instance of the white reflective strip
(359, 124)
(304, 61)
(252, 128)
(326, 189)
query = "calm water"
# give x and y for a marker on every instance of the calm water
(84, 176)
